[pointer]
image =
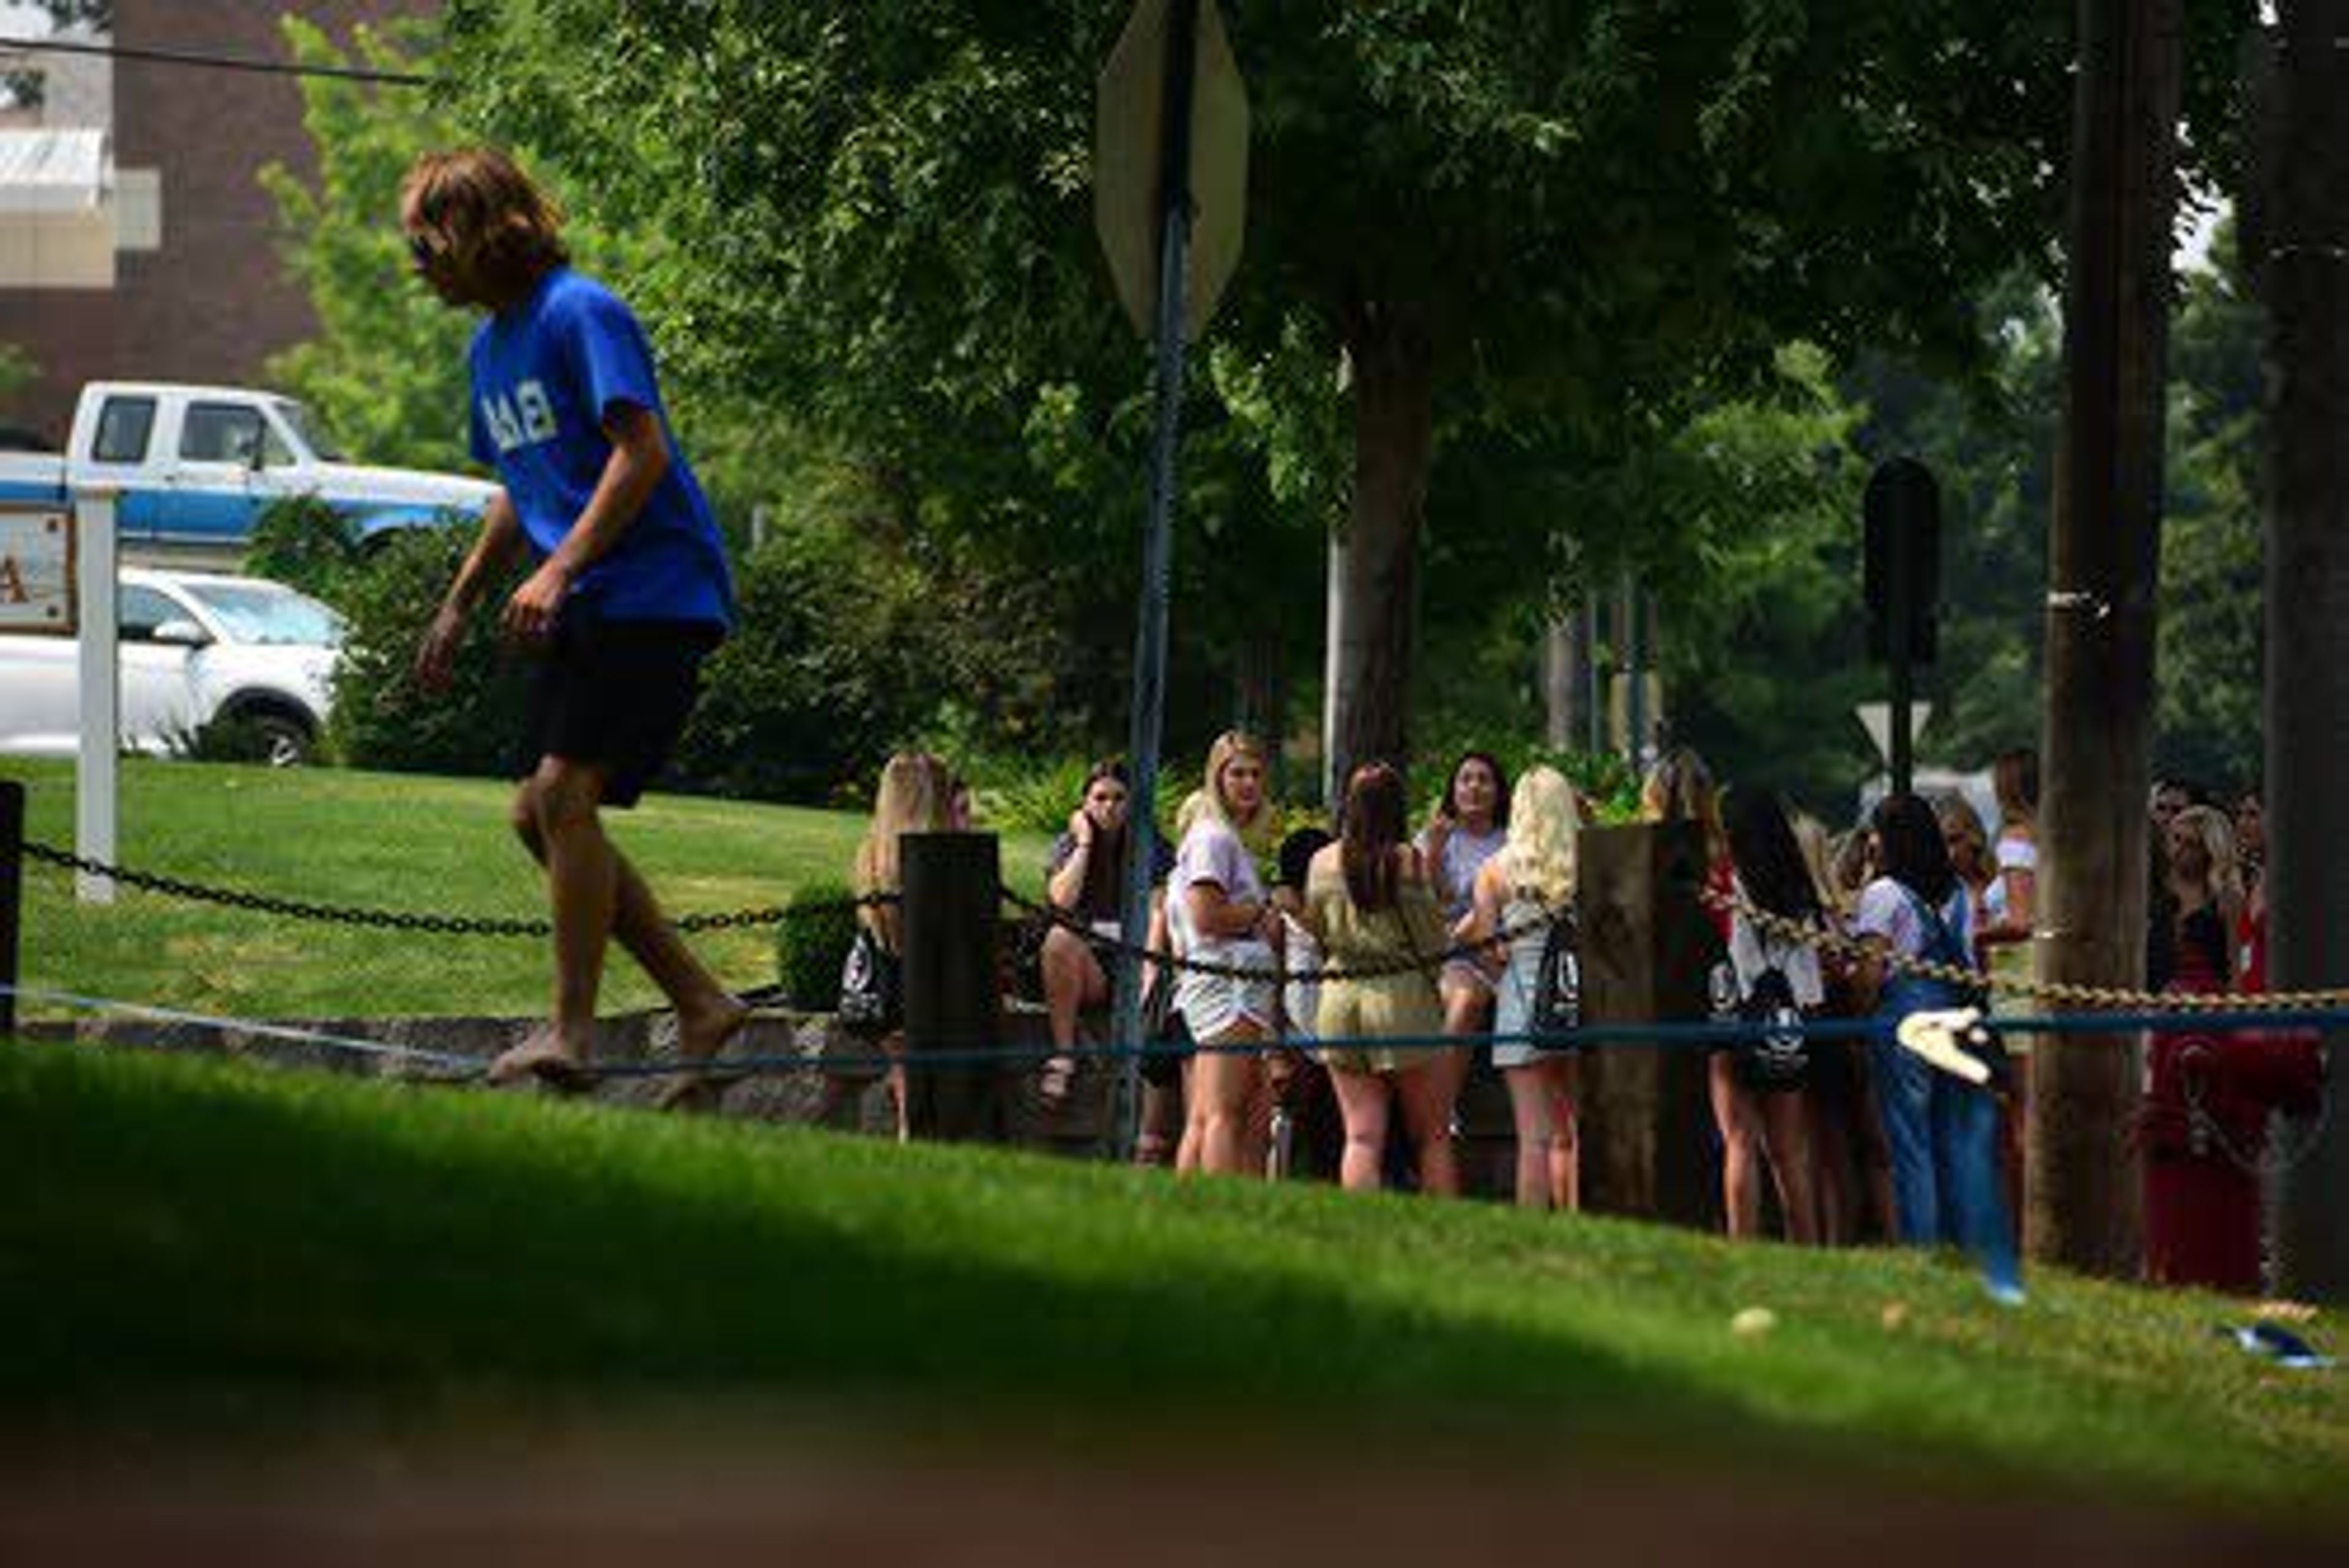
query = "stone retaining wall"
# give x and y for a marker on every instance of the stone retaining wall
(852, 1097)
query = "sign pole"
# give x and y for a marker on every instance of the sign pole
(96, 770)
(1903, 750)
(1174, 210)
(12, 895)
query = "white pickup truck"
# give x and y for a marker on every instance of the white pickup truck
(195, 466)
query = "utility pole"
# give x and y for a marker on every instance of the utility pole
(2104, 554)
(2305, 273)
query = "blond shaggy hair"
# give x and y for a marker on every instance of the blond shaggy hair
(1538, 862)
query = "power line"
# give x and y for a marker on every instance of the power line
(216, 62)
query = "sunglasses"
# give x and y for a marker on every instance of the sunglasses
(423, 251)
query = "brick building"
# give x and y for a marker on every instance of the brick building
(197, 292)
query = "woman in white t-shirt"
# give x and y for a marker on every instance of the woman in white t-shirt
(1218, 912)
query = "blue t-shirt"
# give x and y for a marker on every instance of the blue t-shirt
(546, 375)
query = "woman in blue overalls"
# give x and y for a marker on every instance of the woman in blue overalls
(1942, 1131)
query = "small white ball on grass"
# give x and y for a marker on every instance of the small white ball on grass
(1752, 1323)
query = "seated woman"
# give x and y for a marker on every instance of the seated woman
(1470, 825)
(912, 798)
(1086, 879)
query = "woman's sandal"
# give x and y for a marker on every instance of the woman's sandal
(1053, 1084)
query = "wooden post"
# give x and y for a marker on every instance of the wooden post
(1647, 951)
(950, 882)
(2306, 283)
(2104, 551)
(12, 896)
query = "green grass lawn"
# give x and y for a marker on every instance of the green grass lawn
(391, 841)
(207, 1248)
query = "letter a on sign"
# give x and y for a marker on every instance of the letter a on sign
(36, 570)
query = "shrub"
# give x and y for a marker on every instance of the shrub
(812, 943)
(382, 718)
(809, 690)
(303, 543)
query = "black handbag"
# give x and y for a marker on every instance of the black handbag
(1164, 1032)
(871, 987)
(1777, 1060)
(1558, 984)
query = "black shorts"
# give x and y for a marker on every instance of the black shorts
(614, 695)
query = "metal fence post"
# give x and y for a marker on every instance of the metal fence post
(12, 895)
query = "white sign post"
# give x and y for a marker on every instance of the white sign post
(96, 776)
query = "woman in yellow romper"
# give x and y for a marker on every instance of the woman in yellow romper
(1369, 902)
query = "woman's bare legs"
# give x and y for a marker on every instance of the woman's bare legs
(1740, 1137)
(1426, 1116)
(1786, 1129)
(1194, 1121)
(1541, 1102)
(1072, 982)
(1160, 1132)
(1362, 1103)
(1468, 1015)
(1229, 1080)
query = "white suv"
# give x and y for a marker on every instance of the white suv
(195, 648)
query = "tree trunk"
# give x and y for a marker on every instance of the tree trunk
(2104, 550)
(2308, 599)
(1562, 681)
(1260, 700)
(1334, 643)
(1393, 374)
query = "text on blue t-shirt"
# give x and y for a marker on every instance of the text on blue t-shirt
(546, 375)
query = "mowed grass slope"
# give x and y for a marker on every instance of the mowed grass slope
(395, 841)
(192, 1246)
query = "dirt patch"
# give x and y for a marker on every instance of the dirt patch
(581, 1503)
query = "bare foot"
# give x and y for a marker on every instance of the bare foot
(693, 1094)
(703, 1032)
(542, 1057)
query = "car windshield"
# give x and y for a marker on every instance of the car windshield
(312, 433)
(266, 613)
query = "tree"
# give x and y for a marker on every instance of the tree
(387, 369)
(2213, 619)
(24, 89)
(1538, 217)
(2308, 591)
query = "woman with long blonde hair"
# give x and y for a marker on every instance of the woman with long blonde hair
(1527, 884)
(914, 797)
(1219, 912)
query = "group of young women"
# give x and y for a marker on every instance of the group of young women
(1435, 945)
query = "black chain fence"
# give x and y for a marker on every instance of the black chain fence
(406, 919)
